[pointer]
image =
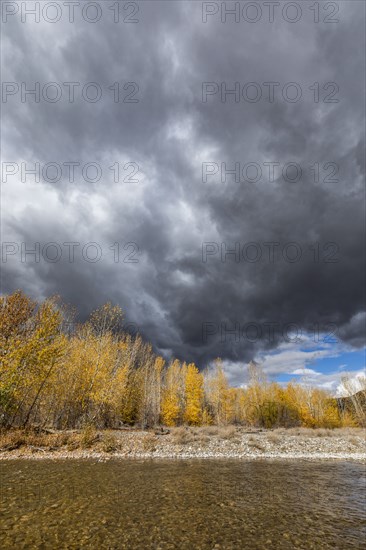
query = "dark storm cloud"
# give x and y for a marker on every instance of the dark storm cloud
(184, 305)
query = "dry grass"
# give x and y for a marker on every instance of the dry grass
(149, 443)
(109, 443)
(227, 432)
(323, 432)
(88, 437)
(203, 434)
(182, 436)
(255, 444)
(73, 443)
(14, 439)
(202, 439)
(274, 438)
(209, 430)
(63, 439)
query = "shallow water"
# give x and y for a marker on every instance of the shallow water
(189, 505)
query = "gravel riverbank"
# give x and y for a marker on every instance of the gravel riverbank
(188, 443)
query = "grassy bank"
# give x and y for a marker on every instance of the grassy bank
(183, 442)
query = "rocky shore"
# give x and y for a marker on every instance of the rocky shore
(188, 443)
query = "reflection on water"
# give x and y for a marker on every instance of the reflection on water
(182, 504)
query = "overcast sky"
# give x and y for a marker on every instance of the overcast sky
(159, 131)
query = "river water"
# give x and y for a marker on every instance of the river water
(196, 504)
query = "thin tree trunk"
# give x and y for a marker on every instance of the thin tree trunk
(38, 393)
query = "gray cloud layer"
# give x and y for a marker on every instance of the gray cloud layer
(171, 293)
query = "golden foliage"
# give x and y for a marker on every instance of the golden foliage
(193, 395)
(98, 376)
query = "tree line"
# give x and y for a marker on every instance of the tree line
(97, 374)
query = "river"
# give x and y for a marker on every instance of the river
(192, 505)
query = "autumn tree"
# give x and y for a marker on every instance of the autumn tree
(15, 314)
(170, 405)
(152, 370)
(355, 389)
(218, 396)
(32, 345)
(193, 395)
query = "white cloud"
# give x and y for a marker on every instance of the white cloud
(294, 359)
(302, 372)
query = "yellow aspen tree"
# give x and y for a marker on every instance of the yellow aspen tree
(193, 395)
(239, 403)
(170, 405)
(34, 358)
(16, 311)
(230, 406)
